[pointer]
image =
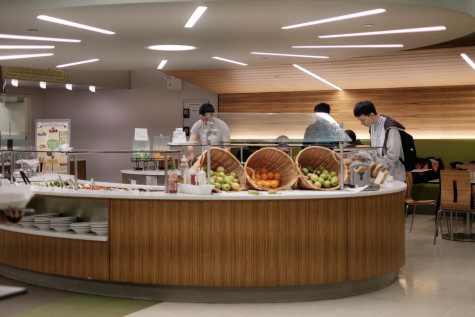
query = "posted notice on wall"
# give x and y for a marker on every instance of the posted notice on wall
(50, 135)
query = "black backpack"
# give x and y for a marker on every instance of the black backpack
(408, 148)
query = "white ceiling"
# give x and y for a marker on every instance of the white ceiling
(229, 29)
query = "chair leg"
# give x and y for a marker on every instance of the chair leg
(407, 210)
(451, 232)
(437, 221)
(413, 214)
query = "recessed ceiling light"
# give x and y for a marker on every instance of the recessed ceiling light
(289, 55)
(170, 47)
(368, 25)
(15, 82)
(78, 63)
(42, 84)
(26, 47)
(7, 57)
(33, 30)
(37, 38)
(195, 16)
(229, 60)
(92, 88)
(338, 18)
(69, 86)
(73, 24)
(316, 76)
(349, 46)
(162, 64)
(468, 60)
(413, 30)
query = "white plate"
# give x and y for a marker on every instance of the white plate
(47, 215)
(27, 224)
(16, 196)
(45, 227)
(77, 230)
(59, 229)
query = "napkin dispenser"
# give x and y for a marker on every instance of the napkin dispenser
(360, 174)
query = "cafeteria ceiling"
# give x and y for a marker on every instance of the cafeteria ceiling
(229, 29)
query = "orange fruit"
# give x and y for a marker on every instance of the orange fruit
(270, 175)
(264, 177)
(265, 184)
(264, 170)
(277, 176)
(257, 176)
(274, 184)
(260, 183)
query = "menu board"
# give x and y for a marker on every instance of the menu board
(50, 135)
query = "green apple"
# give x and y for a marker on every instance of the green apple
(314, 178)
(295, 186)
(226, 187)
(327, 184)
(220, 169)
(304, 170)
(221, 174)
(324, 176)
(334, 181)
(333, 174)
(235, 186)
(235, 180)
(321, 180)
(217, 186)
(219, 180)
(233, 174)
(212, 181)
(228, 180)
(318, 184)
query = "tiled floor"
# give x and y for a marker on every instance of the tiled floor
(436, 281)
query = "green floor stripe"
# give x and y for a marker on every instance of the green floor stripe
(87, 306)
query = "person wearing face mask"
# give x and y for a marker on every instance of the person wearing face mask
(385, 135)
(200, 130)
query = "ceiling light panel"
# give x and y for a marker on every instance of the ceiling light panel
(316, 76)
(74, 24)
(468, 60)
(26, 47)
(289, 55)
(14, 82)
(399, 31)
(78, 63)
(172, 47)
(37, 38)
(350, 46)
(195, 17)
(338, 18)
(229, 60)
(42, 84)
(92, 88)
(8, 57)
(162, 64)
(69, 86)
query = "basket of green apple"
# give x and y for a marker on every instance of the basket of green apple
(319, 168)
(227, 173)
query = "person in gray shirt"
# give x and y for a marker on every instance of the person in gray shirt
(201, 130)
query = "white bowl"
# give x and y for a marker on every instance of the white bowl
(195, 189)
(43, 227)
(15, 196)
(62, 229)
(81, 230)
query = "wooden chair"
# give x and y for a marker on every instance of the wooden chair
(456, 196)
(414, 203)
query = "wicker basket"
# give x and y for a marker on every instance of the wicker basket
(220, 157)
(314, 156)
(276, 161)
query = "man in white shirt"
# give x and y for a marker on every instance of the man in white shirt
(201, 130)
(385, 135)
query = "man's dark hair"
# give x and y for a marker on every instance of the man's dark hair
(206, 108)
(322, 107)
(364, 108)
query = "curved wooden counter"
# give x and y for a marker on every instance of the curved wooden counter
(308, 240)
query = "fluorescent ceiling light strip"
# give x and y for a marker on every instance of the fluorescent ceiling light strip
(37, 38)
(73, 24)
(26, 47)
(399, 31)
(338, 18)
(289, 55)
(350, 46)
(171, 47)
(316, 76)
(195, 16)
(78, 63)
(468, 60)
(7, 57)
(229, 60)
(162, 64)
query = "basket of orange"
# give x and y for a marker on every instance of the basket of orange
(270, 168)
(319, 169)
(225, 169)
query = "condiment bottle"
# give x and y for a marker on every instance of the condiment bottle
(192, 173)
(183, 167)
(202, 180)
(172, 184)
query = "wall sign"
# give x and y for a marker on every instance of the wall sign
(50, 135)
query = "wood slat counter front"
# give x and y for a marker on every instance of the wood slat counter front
(295, 239)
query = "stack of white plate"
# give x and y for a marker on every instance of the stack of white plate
(43, 221)
(61, 224)
(100, 228)
(27, 221)
(81, 227)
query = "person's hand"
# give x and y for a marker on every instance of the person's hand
(190, 158)
(13, 214)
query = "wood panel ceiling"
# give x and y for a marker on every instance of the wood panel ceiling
(417, 68)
